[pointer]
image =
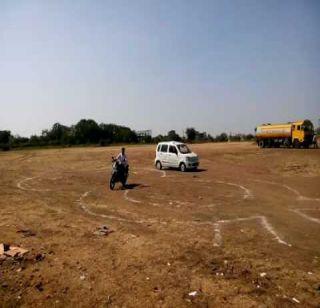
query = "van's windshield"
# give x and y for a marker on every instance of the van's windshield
(183, 149)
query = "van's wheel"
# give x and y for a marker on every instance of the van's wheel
(183, 167)
(158, 165)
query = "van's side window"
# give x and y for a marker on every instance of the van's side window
(164, 148)
(158, 149)
(173, 149)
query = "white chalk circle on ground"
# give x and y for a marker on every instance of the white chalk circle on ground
(247, 194)
(21, 185)
(301, 213)
(85, 207)
(261, 219)
(299, 197)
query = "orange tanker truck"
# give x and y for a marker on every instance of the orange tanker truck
(297, 134)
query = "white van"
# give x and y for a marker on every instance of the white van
(175, 155)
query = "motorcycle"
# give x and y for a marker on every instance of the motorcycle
(119, 174)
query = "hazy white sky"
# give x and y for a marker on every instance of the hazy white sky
(160, 65)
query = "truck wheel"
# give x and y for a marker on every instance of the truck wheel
(286, 143)
(267, 143)
(261, 144)
(183, 167)
(296, 144)
(158, 165)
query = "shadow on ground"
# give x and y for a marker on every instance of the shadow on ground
(188, 171)
(132, 186)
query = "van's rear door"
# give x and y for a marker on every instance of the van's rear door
(163, 155)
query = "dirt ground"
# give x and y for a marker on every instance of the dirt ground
(242, 231)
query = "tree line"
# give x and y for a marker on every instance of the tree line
(192, 135)
(87, 132)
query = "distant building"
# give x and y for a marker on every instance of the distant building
(144, 135)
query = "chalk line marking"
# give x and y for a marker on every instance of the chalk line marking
(164, 174)
(296, 192)
(299, 196)
(247, 193)
(129, 198)
(22, 187)
(203, 181)
(217, 225)
(85, 208)
(304, 215)
(155, 204)
(217, 235)
(263, 221)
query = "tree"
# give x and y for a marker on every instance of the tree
(116, 133)
(86, 131)
(248, 137)
(158, 139)
(106, 134)
(18, 141)
(5, 140)
(35, 141)
(210, 138)
(236, 137)
(173, 136)
(201, 136)
(125, 134)
(222, 137)
(59, 134)
(191, 133)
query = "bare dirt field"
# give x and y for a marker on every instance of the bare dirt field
(244, 230)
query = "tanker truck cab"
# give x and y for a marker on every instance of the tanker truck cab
(302, 133)
(175, 155)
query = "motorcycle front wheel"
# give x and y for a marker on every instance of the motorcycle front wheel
(112, 183)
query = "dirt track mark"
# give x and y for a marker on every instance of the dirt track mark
(304, 215)
(129, 198)
(299, 196)
(22, 187)
(247, 193)
(164, 174)
(84, 206)
(262, 220)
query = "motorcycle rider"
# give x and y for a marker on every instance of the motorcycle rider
(123, 162)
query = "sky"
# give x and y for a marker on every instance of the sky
(158, 64)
